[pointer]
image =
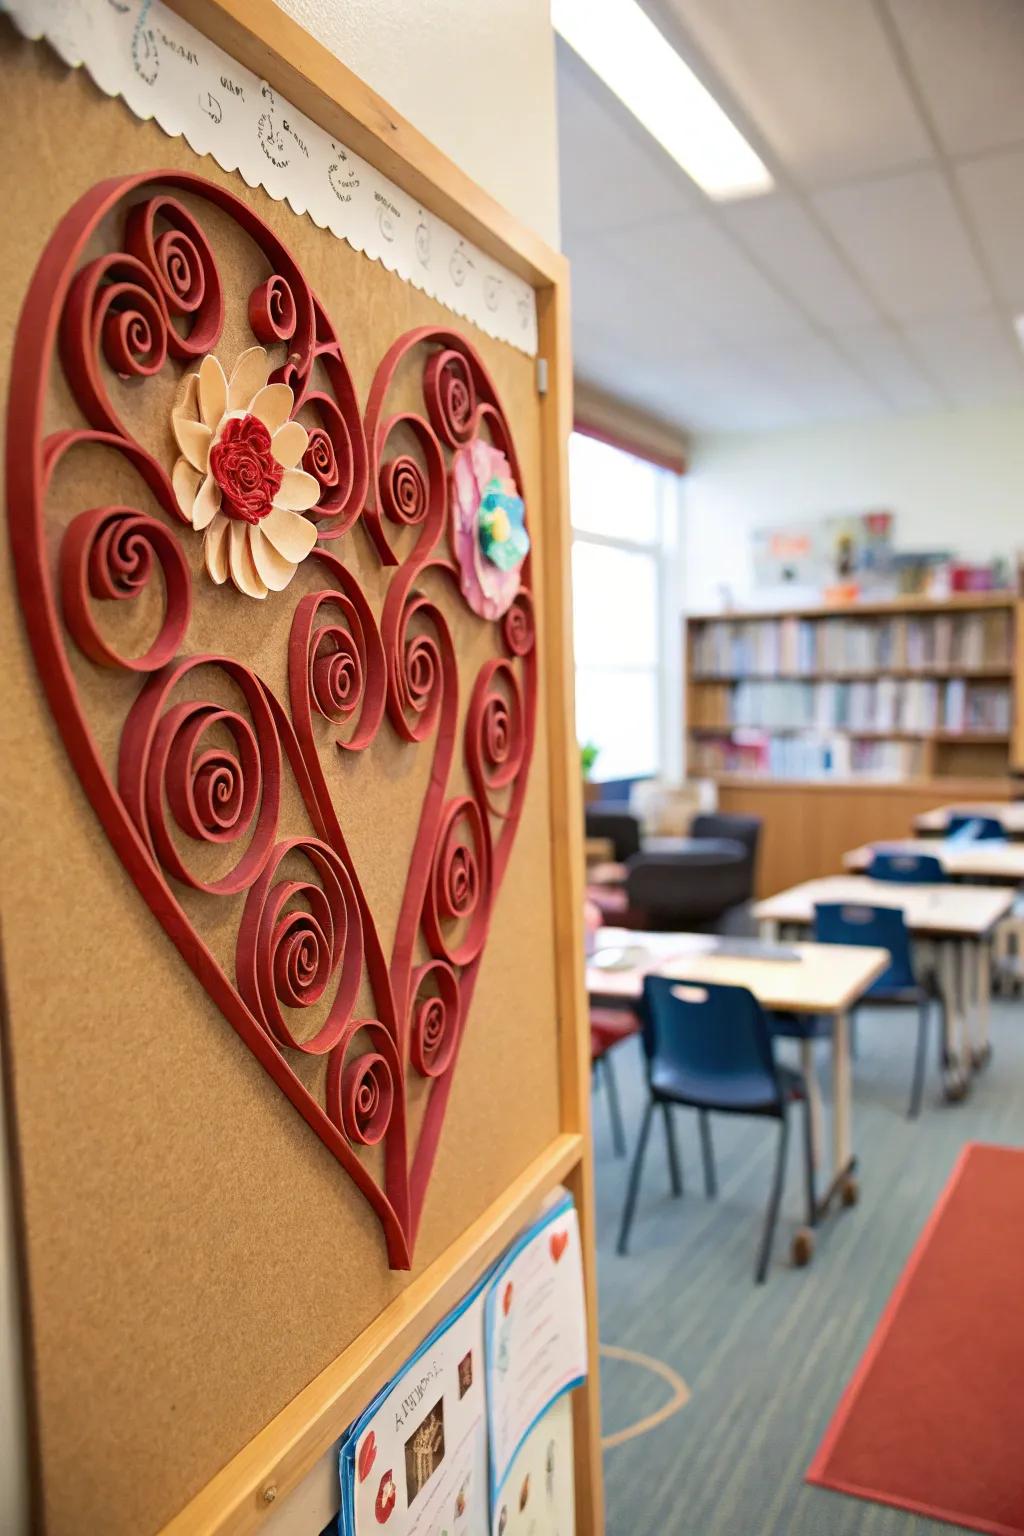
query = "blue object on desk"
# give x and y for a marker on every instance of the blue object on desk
(709, 1048)
(964, 828)
(906, 868)
(845, 922)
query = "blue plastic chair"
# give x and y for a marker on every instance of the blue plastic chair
(709, 1048)
(975, 829)
(906, 868)
(883, 928)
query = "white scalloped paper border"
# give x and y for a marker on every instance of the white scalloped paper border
(164, 69)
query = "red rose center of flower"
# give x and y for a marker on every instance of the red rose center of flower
(245, 469)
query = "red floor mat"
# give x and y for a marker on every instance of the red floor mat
(933, 1420)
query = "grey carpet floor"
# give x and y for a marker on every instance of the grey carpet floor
(766, 1364)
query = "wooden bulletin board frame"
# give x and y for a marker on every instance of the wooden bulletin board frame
(258, 1480)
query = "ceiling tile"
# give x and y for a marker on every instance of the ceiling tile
(968, 59)
(787, 244)
(816, 77)
(883, 358)
(696, 266)
(993, 189)
(904, 235)
(810, 371)
(605, 293)
(722, 392)
(612, 173)
(975, 357)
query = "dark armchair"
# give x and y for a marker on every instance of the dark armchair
(701, 881)
(616, 824)
(689, 888)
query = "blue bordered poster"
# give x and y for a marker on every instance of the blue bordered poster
(535, 1340)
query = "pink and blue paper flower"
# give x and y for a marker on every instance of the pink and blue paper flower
(488, 528)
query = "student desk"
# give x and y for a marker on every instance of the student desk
(957, 919)
(961, 861)
(1010, 813)
(820, 980)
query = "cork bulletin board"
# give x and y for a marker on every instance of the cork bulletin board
(200, 1238)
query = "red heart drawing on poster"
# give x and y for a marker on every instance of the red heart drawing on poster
(218, 795)
(558, 1243)
(367, 1456)
(385, 1501)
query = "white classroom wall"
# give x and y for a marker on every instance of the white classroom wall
(477, 77)
(439, 64)
(954, 479)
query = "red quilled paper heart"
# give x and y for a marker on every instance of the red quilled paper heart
(559, 1242)
(268, 468)
(367, 1456)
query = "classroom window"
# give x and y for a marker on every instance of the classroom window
(623, 512)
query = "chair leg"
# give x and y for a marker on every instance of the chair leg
(810, 1182)
(614, 1112)
(944, 1058)
(920, 1060)
(634, 1177)
(675, 1171)
(708, 1154)
(774, 1199)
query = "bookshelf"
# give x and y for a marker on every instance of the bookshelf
(875, 707)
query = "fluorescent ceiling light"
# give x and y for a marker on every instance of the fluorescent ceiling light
(625, 49)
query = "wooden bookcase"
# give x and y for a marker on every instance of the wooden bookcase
(839, 724)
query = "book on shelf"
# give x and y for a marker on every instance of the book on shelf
(766, 647)
(885, 705)
(812, 756)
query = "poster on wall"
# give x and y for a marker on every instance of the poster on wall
(474, 1434)
(833, 551)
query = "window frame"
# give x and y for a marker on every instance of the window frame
(665, 551)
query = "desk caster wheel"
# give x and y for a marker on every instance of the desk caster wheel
(850, 1192)
(981, 1058)
(802, 1251)
(955, 1090)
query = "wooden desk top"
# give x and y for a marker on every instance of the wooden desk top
(606, 873)
(966, 911)
(825, 978)
(981, 861)
(598, 850)
(1010, 813)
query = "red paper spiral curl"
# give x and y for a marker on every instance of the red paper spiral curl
(362, 1093)
(114, 306)
(272, 312)
(216, 793)
(337, 455)
(410, 493)
(421, 661)
(518, 627)
(496, 739)
(295, 937)
(459, 891)
(162, 235)
(451, 396)
(435, 1018)
(403, 490)
(110, 553)
(336, 664)
(321, 461)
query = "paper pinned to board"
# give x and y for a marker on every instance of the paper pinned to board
(535, 1334)
(490, 1381)
(164, 69)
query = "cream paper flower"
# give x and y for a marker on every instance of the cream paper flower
(237, 477)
